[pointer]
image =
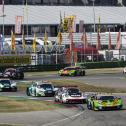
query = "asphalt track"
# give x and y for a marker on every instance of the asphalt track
(75, 115)
(107, 79)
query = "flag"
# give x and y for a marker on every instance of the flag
(1, 42)
(118, 40)
(18, 24)
(84, 39)
(98, 45)
(109, 45)
(71, 41)
(45, 38)
(61, 22)
(99, 23)
(59, 38)
(12, 41)
(71, 46)
(64, 14)
(74, 24)
(26, 9)
(34, 43)
(23, 41)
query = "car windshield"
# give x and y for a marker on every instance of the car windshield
(46, 86)
(72, 68)
(106, 98)
(4, 82)
(10, 70)
(73, 91)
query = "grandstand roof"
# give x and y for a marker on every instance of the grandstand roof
(51, 14)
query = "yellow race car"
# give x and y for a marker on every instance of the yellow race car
(72, 71)
(104, 102)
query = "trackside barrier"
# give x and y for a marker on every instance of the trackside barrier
(55, 67)
(95, 65)
(34, 68)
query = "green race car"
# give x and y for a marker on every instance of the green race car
(72, 71)
(104, 102)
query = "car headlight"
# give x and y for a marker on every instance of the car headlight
(13, 85)
(1, 86)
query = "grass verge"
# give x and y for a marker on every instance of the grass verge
(9, 125)
(82, 86)
(8, 104)
(89, 88)
(88, 71)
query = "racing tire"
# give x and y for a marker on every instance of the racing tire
(14, 89)
(89, 106)
(27, 92)
(60, 74)
(56, 100)
(83, 73)
(35, 94)
(75, 74)
(61, 101)
(17, 76)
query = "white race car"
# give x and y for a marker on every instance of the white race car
(40, 88)
(7, 85)
(69, 95)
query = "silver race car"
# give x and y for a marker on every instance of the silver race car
(40, 88)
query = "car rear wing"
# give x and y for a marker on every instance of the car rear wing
(65, 86)
(56, 87)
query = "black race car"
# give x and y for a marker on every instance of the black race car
(13, 73)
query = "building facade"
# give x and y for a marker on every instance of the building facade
(67, 2)
(37, 19)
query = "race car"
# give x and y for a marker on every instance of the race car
(104, 102)
(13, 73)
(72, 71)
(40, 88)
(7, 85)
(69, 95)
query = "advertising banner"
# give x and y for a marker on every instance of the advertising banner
(15, 60)
(69, 24)
(18, 24)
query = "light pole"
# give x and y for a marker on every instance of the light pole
(3, 23)
(3, 28)
(3, 15)
(94, 13)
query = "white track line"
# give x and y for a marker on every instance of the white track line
(58, 121)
